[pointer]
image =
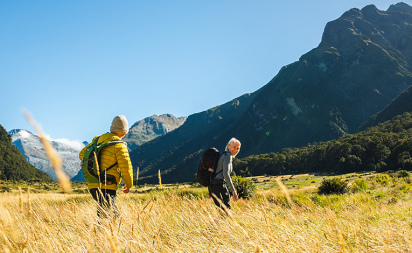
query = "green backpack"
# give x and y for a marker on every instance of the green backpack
(90, 164)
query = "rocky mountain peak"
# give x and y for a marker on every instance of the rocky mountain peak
(400, 7)
(151, 127)
(22, 132)
(13, 166)
(32, 149)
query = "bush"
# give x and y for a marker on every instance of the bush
(359, 184)
(5, 189)
(383, 179)
(245, 188)
(333, 185)
(405, 188)
(403, 173)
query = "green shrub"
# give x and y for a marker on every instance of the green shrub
(383, 179)
(245, 188)
(405, 188)
(359, 184)
(333, 185)
(5, 189)
(403, 173)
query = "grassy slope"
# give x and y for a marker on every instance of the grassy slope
(181, 220)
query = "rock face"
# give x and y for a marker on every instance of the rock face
(13, 166)
(400, 7)
(32, 149)
(362, 63)
(151, 127)
(400, 105)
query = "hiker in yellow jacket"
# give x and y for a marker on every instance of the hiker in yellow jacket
(105, 192)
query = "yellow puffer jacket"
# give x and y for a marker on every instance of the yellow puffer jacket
(109, 156)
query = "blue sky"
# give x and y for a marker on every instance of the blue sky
(74, 65)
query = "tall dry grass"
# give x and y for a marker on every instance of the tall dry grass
(55, 160)
(174, 221)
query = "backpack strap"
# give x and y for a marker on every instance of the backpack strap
(109, 167)
(99, 148)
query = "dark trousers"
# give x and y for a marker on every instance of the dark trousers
(219, 189)
(106, 200)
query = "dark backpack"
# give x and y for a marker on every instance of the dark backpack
(207, 166)
(90, 164)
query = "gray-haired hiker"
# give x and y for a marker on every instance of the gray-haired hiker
(105, 162)
(222, 182)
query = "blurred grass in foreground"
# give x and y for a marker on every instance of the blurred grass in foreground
(180, 218)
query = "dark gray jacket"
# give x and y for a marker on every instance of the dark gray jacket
(225, 164)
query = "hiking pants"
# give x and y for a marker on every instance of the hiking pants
(218, 187)
(105, 202)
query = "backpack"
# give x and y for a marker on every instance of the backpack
(90, 164)
(207, 166)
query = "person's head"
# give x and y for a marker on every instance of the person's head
(233, 146)
(119, 126)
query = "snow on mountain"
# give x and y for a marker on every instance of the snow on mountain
(31, 147)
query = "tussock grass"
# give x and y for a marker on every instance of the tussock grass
(186, 220)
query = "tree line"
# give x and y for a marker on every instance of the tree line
(386, 146)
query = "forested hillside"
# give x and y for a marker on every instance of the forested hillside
(387, 146)
(13, 165)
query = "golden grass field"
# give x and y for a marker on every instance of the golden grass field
(182, 219)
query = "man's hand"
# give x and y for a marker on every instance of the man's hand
(234, 194)
(126, 190)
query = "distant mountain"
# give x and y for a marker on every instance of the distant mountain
(363, 62)
(400, 105)
(400, 7)
(182, 147)
(146, 130)
(32, 149)
(151, 127)
(13, 166)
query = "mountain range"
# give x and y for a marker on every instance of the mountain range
(13, 165)
(145, 130)
(151, 127)
(32, 149)
(359, 75)
(361, 66)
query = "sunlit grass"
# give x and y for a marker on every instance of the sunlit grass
(184, 219)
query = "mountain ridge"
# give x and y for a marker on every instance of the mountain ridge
(361, 64)
(150, 128)
(32, 149)
(13, 165)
